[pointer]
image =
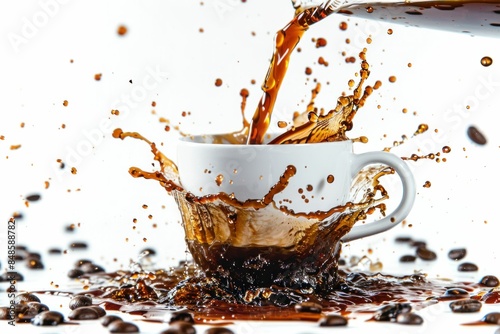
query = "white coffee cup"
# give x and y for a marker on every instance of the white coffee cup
(250, 171)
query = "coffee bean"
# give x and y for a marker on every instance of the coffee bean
(11, 275)
(426, 254)
(492, 318)
(219, 330)
(83, 313)
(407, 258)
(308, 307)
(467, 266)
(122, 327)
(37, 307)
(465, 306)
(457, 254)
(75, 273)
(456, 292)
(148, 252)
(34, 263)
(490, 281)
(79, 301)
(108, 319)
(180, 327)
(90, 268)
(48, 318)
(78, 245)
(403, 240)
(33, 197)
(26, 297)
(418, 243)
(476, 136)
(409, 319)
(182, 316)
(4, 313)
(333, 320)
(391, 311)
(100, 311)
(81, 262)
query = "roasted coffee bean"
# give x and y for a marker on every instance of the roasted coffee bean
(23, 313)
(457, 254)
(476, 136)
(489, 281)
(418, 243)
(108, 319)
(81, 262)
(11, 275)
(182, 316)
(407, 258)
(467, 266)
(34, 255)
(403, 240)
(79, 301)
(26, 297)
(38, 307)
(426, 254)
(333, 320)
(465, 306)
(33, 197)
(308, 307)
(5, 313)
(122, 327)
(492, 318)
(148, 252)
(391, 311)
(409, 319)
(180, 327)
(75, 273)
(219, 330)
(78, 245)
(48, 318)
(90, 268)
(456, 292)
(34, 263)
(100, 311)
(83, 313)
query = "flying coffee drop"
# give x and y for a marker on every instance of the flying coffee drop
(486, 61)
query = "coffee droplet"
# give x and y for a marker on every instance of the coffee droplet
(281, 124)
(330, 178)
(218, 82)
(421, 129)
(486, 61)
(476, 136)
(219, 179)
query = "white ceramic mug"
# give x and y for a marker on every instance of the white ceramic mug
(249, 172)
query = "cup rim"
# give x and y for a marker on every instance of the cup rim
(191, 139)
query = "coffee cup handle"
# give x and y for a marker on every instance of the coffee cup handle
(407, 200)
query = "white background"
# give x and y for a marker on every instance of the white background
(171, 62)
